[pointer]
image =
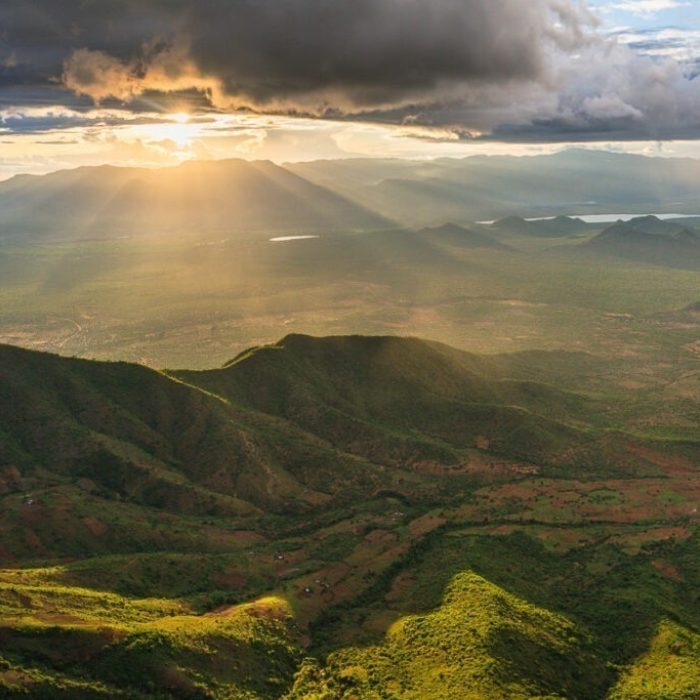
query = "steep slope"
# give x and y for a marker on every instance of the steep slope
(132, 431)
(481, 643)
(397, 400)
(76, 643)
(193, 198)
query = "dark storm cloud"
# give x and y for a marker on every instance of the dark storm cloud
(307, 54)
(37, 36)
(46, 120)
(516, 69)
(365, 52)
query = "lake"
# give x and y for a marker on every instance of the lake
(286, 239)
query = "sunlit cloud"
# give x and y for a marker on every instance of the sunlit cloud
(679, 44)
(156, 140)
(648, 7)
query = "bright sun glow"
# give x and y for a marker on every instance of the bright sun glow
(178, 128)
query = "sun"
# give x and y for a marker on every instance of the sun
(180, 129)
(177, 127)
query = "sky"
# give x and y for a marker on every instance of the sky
(136, 83)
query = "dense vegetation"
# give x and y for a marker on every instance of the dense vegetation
(367, 517)
(480, 643)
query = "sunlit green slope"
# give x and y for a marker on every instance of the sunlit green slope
(480, 644)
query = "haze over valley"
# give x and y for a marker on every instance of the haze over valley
(184, 267)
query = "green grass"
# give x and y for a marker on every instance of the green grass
(62, 640)
(668, 670)
(480, 643)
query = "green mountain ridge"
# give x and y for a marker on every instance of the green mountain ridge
(415, 520)
(271, 429)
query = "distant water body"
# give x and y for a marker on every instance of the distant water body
(612, 218)
(605, 218)
(285, 239)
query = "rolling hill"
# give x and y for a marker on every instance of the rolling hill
(649, 240)
(346, 516)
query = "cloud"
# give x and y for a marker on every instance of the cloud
(648, 7)
(472, 68)
(41, 120)
(320, 57)
(100, 76)
(315, 56)
(615, 94)
(681, 44)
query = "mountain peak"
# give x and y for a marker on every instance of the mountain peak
(650, 240)
(196, 196)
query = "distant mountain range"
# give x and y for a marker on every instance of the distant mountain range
(574, 181)
(200, 197)
(366, 194)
